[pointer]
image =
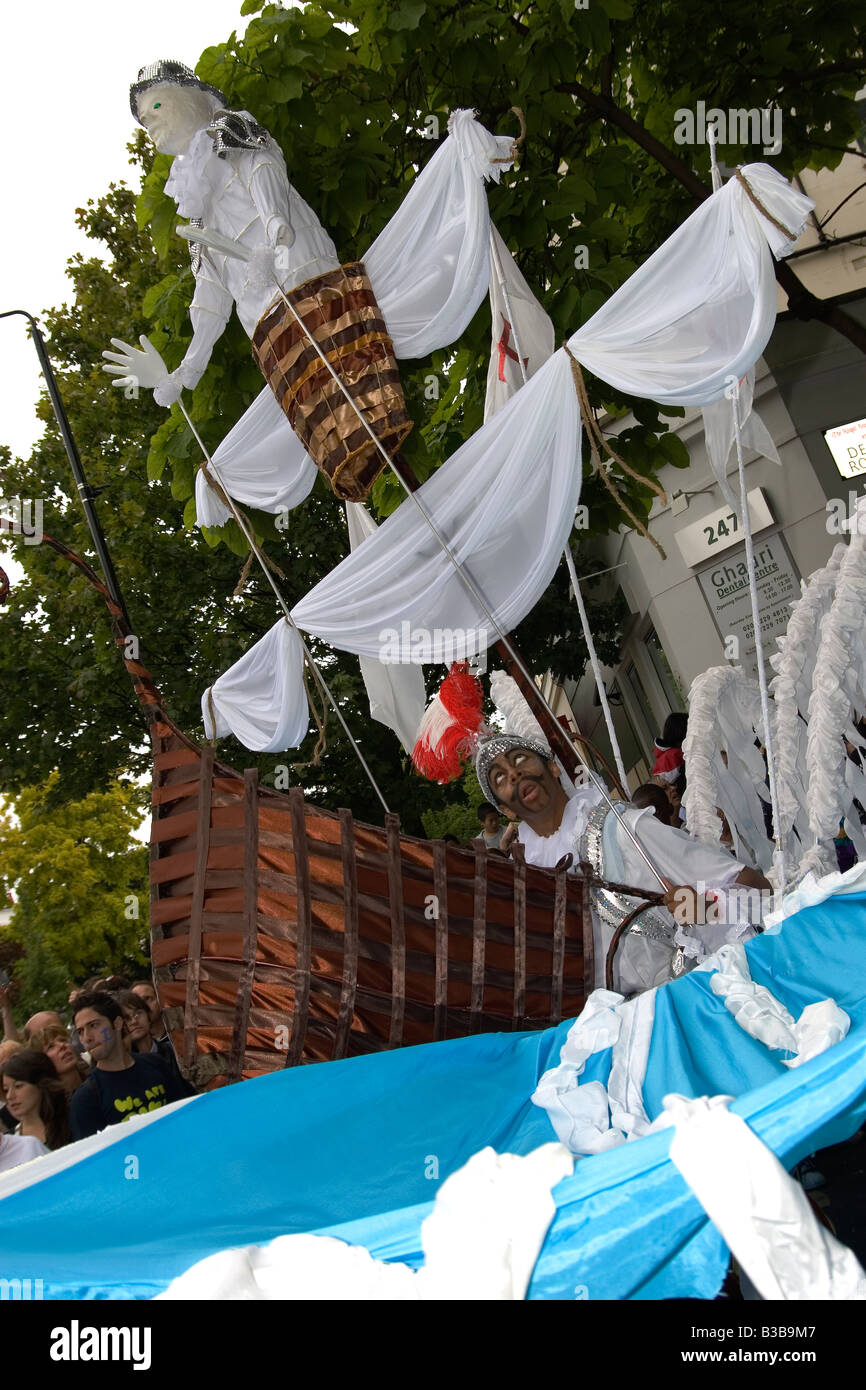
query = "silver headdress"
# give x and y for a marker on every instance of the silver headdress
(490, 748)
(170, 71)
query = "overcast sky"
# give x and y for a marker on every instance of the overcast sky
(65, 70)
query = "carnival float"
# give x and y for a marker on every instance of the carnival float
(284, 933)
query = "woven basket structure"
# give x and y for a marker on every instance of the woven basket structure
(340, 314)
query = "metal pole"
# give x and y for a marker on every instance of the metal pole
(779, 856)
(596, 669)
(85, 492)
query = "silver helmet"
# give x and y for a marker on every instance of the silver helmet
(168, 70)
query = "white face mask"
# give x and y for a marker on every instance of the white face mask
(172, 115)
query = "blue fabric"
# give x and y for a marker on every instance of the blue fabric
(357, 1149)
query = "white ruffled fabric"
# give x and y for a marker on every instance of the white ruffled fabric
(760, 1014)
(592, 1118)
(838, 688)
(791, 688)
(481, 1241)
(261, 699)
(725, 715)
(812, 890)
(763, 1215)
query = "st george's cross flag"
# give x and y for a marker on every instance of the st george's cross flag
(531, 328)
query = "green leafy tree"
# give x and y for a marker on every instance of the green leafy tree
(80, 886)
(353, 91)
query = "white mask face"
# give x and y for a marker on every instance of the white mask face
(172, 115)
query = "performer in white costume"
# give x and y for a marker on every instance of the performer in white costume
(521, 776)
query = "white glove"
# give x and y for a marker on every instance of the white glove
(170, 388)
(133, 367)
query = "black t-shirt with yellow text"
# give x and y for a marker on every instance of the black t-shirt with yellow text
(110, 1097)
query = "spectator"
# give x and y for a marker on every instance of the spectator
(16, 1149)
(120, 1085)
(158, 1029)
(669, 748)
(46, 1018)
(652, 795)
(35, 1095)
(56, 1045)
(492, 828)
(139, 1028)
(7, 1119)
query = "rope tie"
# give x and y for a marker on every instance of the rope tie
(213, 720)
(753, 197)
(244, 576)
(516, 142)
(598, 445)
(319, 713)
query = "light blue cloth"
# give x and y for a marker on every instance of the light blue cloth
(348, 1148)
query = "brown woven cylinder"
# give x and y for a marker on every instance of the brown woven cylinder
(340, 314)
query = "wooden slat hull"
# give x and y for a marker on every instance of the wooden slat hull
(285, 934)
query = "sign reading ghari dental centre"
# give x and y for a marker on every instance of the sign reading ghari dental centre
(703, 539)
(847, 444)
(725, 587)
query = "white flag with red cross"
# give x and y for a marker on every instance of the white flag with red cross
(519, 323)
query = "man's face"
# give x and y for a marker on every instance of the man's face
(523, 783)
(148, 995)
(97, 1033)
(172, 115)
(138, 1023)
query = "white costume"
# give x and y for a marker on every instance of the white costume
(646, 959)
(244, 195)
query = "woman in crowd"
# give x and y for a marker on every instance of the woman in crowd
(7, 1119)
(35, 1095)
(70, 1067)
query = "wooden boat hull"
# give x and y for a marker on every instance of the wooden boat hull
(283, 933)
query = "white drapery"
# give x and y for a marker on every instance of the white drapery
(762, 1213)
(699, 312)
(396, 692)
(261, 699)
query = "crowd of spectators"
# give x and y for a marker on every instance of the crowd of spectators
(60, 1082)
